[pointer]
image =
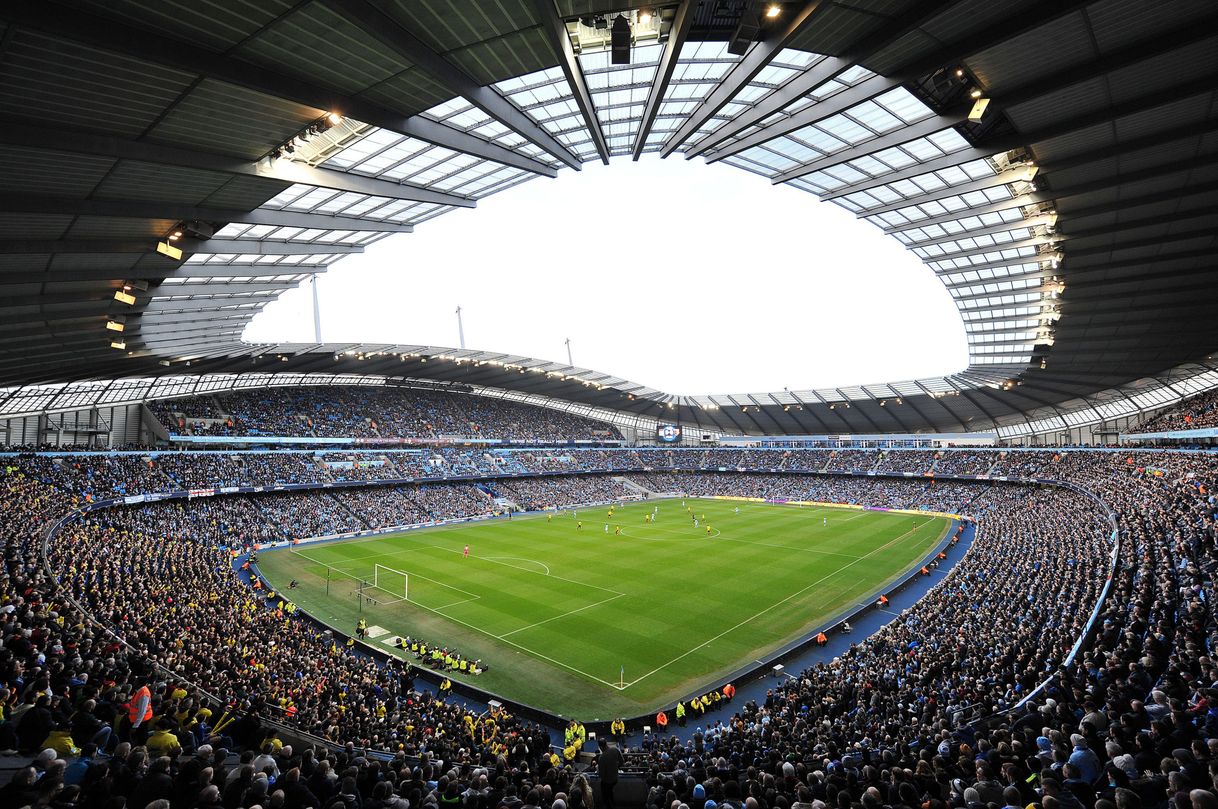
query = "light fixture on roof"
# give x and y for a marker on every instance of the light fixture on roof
(976, 93)
(117, 323)
(124, 297)
(979, 106)
(645, 16)
(167, 249)
(118, 344)
(773, 11)
(334, 119)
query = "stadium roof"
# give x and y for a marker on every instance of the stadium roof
(1073, 220)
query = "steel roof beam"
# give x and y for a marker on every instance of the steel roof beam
(1146, 242)
(192, 246)
(1136, 202)
(822, 72)
(138, 209)
(1143, 103)
(238, 287)
(1042, 196)
(1179, 272)
(668, 62)
(1034, 241)
(753, 62)
(556, 32)
(390, 32)
(947, 161)
(1139, 51)
(209, 304)
(973, 233)
(1080, 122)
(1021, 201)
(15, 133)
(1004, 178)
(184, 271)
(1025, 276)
(106, 33)
(979, 41)
(1074, 215)
(1119, 229)
(921, 129)
(863, 91)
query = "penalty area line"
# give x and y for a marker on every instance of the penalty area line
(523, 648)
(822, 579)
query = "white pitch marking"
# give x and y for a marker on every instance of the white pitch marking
(564, 615)
(772, 606)
(518, 559)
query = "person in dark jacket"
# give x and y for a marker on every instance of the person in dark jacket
(34, 725)
(157, 784)
(608, 763)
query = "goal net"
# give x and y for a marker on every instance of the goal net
(388, 585)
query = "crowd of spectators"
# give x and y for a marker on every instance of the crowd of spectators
(918, 715)
(372, 412)
(534, 494)
(1190, 414)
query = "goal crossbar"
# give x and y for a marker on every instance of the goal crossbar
(386, 579)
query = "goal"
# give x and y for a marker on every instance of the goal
(393, 584)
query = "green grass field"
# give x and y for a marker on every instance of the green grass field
(557, 612)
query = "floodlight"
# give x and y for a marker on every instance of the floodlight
(116, 325)
(644, 16)
(978, 111)
(124, 297)
(773, 11)
(167, 249)
(119, 344)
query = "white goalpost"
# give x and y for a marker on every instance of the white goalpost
(391, 581)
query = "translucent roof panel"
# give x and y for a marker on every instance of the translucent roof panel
(853, 127)
(698, 70)
(619, 92)
(546, 98)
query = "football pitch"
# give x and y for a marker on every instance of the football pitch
(594, 625)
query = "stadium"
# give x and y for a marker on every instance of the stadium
(249, 573)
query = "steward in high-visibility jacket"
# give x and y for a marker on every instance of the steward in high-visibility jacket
(681, 714)
(729, 691)
(821, 640)
(617, 728)
(662, 721)
(139, 708)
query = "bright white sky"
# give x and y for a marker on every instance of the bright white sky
(689, 278)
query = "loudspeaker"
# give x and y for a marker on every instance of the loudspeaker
(620, 41)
